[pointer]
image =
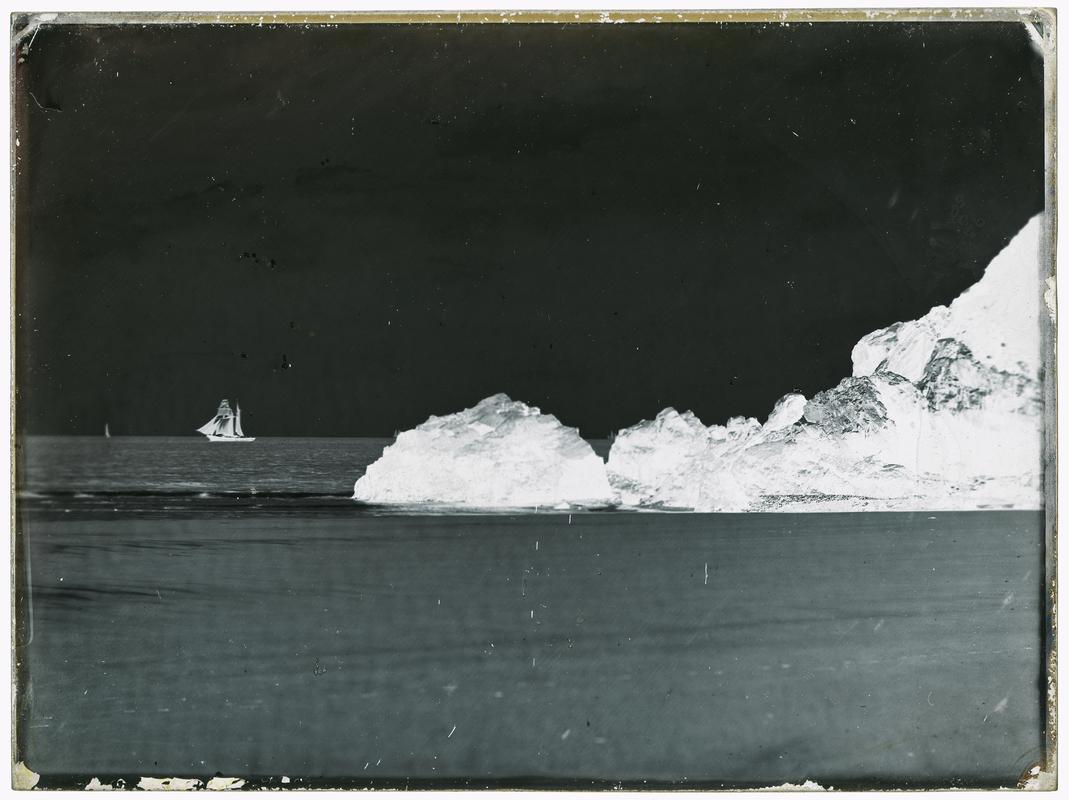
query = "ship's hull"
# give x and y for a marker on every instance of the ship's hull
(214, 438)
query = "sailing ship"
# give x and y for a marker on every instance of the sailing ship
(107, 431)
(225, 426)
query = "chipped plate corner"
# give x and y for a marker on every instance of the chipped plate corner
(23, 778)
(1041, 24)
(24, 29)
(1037, 779)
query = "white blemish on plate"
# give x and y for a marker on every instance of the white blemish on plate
(808, 786)
(220, 784)
(168, 784)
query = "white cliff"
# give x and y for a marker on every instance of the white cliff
(997, 318)
(940, 413)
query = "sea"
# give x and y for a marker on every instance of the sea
(188, 609)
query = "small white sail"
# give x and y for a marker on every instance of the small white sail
(107, 431)
(237, 422)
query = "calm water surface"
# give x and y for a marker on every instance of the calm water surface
(192, 465)
(194, 609)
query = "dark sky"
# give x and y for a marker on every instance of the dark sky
(350, 228)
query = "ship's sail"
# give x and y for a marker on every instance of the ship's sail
(209, 428)
(221, 424)
(226, 424)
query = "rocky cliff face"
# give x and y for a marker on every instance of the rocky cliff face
(940, 412)
(954, 380)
